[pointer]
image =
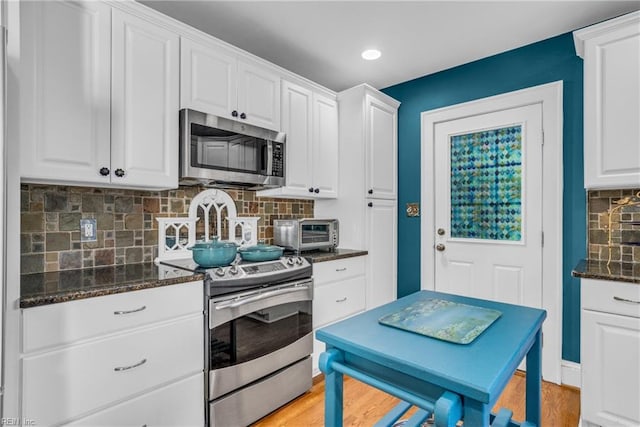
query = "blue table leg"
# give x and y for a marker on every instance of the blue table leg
(534, 381)
(333, 388)
(476, 413)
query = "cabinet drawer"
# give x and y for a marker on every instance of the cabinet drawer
(337, 300)
(611, 297)
(64, 323)
(67, 383)
(178, 404)
(340, 269)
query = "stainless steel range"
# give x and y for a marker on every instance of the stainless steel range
(258, 338)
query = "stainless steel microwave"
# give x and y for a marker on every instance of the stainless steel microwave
(221, 152)
(306, 234)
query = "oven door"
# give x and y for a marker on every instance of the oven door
(254, 334)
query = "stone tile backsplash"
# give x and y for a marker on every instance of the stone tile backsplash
(622, 235)
(126, 223)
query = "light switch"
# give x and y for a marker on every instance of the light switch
(88, 230)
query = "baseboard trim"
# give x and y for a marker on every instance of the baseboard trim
(570, 372)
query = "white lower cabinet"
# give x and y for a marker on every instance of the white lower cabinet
(610, 353)
(177, 404)
(117, 378)
(339, 292)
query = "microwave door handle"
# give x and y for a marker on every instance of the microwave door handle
(269, 170)
(260, 296)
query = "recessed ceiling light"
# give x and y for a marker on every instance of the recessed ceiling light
(371, 54)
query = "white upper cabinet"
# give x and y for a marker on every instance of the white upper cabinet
(219, 81)
(611, 53)
(98, 97)
(144, 113)
(381, 148)
(310, 122)
(65, 91)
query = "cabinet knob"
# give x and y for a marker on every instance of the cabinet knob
(370, 204)
(370, 191)
(119, 173)
(234, 113)
(310, 189)
(317, 190)
(104, 171)
(243, 116)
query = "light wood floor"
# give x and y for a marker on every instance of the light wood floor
(364, 405)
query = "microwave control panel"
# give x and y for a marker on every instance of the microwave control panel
(278, 159)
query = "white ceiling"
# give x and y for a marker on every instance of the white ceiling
(322, 40)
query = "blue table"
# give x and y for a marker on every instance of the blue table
(452, 381)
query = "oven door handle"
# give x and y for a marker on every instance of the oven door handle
(260, 296)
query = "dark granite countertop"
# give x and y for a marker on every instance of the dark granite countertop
(322, 256)
(617, 271)
(60, 286)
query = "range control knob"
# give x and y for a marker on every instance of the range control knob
(299, 260)
(290, 261)
(219, 272)
(233, 270)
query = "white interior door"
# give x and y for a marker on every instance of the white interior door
(488, 213)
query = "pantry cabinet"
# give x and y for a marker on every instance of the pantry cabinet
(220, 81)
(610, 353)
(611, 53)
(367, 186)
(310, 122)
(130, 356)
(99, 97)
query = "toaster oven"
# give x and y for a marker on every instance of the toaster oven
(306, 234)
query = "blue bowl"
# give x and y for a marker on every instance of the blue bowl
(261, 252)
(214, 253)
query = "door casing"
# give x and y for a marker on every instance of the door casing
(550, 96)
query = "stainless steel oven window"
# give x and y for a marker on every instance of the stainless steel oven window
(257, 324)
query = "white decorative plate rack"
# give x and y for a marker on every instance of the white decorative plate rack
(176, 234)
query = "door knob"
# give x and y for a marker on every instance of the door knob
(440, 231)
(440, 247)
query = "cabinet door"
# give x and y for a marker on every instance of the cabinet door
(610, 363)
(380, 149)
(207, 78)
(325, 146)
(64, 91)
(258, 95)
(144, 143)
(297, 124)
(381, 217)
(612, 108)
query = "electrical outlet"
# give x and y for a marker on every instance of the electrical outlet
(88, 230)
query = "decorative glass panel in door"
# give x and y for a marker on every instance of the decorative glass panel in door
(486, 184)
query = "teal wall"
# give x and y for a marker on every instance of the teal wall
(543, 62)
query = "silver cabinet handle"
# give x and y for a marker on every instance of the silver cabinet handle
(341, 299)
(626, 300)
(117, 313)
(341, 269)
(126, 368)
